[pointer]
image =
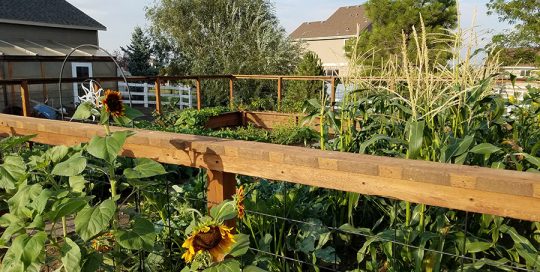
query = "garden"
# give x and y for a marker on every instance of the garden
(116, 198)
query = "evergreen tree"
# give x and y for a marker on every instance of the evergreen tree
(297, 92)
(138, 54)
(227, 37)
(393, 18)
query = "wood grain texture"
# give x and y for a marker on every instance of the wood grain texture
(25, 99)
(198, 87)
(221, 186)
(231, 93)
(158, 96)
(474, 189)
(229, 119)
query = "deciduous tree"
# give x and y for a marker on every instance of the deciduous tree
(524, 15)
(226, 37)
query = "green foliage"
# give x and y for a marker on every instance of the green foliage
(226, 37)
(289, 134)
(193, 118)
(138, 54)
(297, 92)
(46, 187)
(393, 19)
(517, 56)
(140, 236)
(248, 133)
(168, 56)
(144, 168)
(267, 103)
(90, 221)
(524, 16)
(460, 121)
(108, 147)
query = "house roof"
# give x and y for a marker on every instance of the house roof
(345, 22)
(26, 49)
(51, 13)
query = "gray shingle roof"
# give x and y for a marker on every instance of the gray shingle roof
(55, 13)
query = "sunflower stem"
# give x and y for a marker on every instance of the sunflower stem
(107, 129)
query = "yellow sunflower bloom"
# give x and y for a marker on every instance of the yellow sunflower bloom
(103, 243)
(239, 198)
(113, 103)
(217, 240)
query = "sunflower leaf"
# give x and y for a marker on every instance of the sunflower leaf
(229, 265)
(92, 220)
(141, 236)
(84, 111)
(144, 168)
(108, 147)
(70, 167)
(241, 245)
(224, 211)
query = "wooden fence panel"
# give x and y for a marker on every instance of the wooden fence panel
(482, 190)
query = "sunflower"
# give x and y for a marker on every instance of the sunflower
(103, 243)
(215, 239)
(113, 103)
(239, 198)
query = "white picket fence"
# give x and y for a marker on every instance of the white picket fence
(144, 94)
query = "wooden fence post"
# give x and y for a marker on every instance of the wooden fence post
(221, 186)
(279, 86)
(231, 93)
(158, 96)
(198, 86)
(25, 99)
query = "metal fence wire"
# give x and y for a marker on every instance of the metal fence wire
(287, 260)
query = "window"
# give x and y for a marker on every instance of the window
(81, 70)
(525, 73)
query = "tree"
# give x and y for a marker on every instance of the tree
(524, 15)
(391, 18)
(297, 92)
(226, 37)
(138, 54)
(522, 44)
(169, 59)
(519, 55)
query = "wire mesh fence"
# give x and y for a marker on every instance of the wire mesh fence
(289, 233)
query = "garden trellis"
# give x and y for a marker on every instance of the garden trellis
(465, 188)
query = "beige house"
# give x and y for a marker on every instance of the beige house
(327, 38)
(35, 38)
(523, 74)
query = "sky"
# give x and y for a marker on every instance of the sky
(121, 16)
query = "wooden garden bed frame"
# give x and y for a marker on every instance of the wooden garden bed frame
(264, 120)
(474, 189)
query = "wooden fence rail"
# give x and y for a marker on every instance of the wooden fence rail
(474, 189)
(197, 80)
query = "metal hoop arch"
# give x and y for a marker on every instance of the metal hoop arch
(64, 65)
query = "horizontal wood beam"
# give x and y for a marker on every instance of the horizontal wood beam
(32, 81)
(499, 192)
